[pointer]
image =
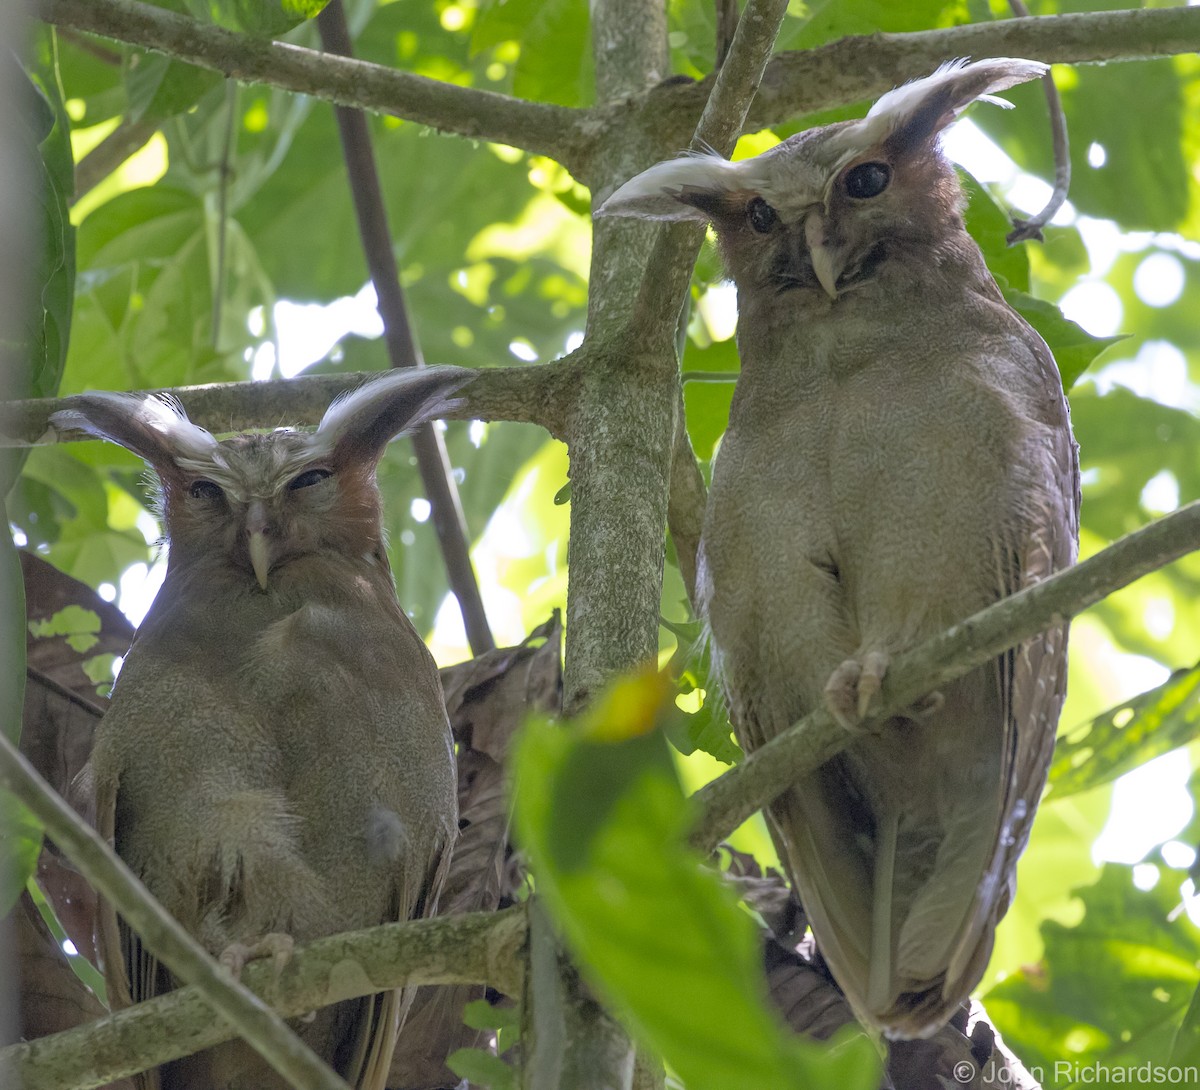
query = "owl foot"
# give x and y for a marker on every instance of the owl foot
(274, 945)
(853, 685)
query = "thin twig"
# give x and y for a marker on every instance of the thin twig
(770, 770)
(478, 947)
(404, 350)
(124, 141)
(263, 1029)
(1032, 228)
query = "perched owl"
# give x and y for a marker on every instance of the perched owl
(276, 760)
(899, 455)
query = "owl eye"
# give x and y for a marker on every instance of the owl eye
(309, 477)
(761, 215)
(867, 180)
(205, 490)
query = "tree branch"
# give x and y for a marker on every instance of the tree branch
(467, 111)
(257, 1023)
(404, 350)
(528, 395)
(479, 947)
(767, 772)
(795, 83)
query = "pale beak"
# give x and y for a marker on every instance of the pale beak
(260, 549)
(822, 259)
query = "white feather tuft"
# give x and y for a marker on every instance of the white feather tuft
(117, 416)
(653, 193)
(166, 415)
(1000, 75)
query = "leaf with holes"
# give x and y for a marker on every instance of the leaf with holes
(1128, 735)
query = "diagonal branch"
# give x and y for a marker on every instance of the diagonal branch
(468, 111)
(769, 771)
(478, 947)
(262, 1028)
(433, 461)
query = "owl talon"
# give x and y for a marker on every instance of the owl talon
(274, 945)
(852, 686)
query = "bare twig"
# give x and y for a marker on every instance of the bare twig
(404, 350)
(479, 947)
(771, 769)
(262, 1028)
(126, 139)
(1032, 228)
(467, 111)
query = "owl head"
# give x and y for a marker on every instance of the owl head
(824, 209)
(255, 502)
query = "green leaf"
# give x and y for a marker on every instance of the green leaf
(1186, 1049)
(20, 843)
(988, 224)
(1073, 347)
(604, 823)
(554, 64)
(1111, 990)
(259, 17)
(159, 87)
(482, 1069)
(707, 403)
(1128, 735)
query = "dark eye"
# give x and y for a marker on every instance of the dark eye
(309, 477)
(867, 180)
(205, 490)
(761, 215)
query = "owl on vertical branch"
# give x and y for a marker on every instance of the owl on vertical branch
(899, 455)
(276, 764)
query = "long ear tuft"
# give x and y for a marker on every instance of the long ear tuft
(359, 425)
(687, 188)
(911, 114)
(153, 426)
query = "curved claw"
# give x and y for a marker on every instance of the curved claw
(853, 685)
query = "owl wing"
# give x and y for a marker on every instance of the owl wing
(131, 973)
(1032, 675)
(383, 1015)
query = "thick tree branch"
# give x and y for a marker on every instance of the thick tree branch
(768, 771)
(257, 1023)
(480, 947)
(529, 395)
(795, 83)
(550, 130)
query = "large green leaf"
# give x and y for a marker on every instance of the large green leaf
(554, 62)
(1128, 735)
(259, 17)
(1111, 991)
(601, 813)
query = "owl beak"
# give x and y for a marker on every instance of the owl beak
(260, 549)
(822, 259)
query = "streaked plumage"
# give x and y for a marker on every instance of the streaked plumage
(277, 757)
(899, 455)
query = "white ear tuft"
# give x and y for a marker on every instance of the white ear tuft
(360, 424)
(929, 104)
(153, 426)
(656, 193)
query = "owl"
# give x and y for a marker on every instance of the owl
(276, 763)
(899, 455)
